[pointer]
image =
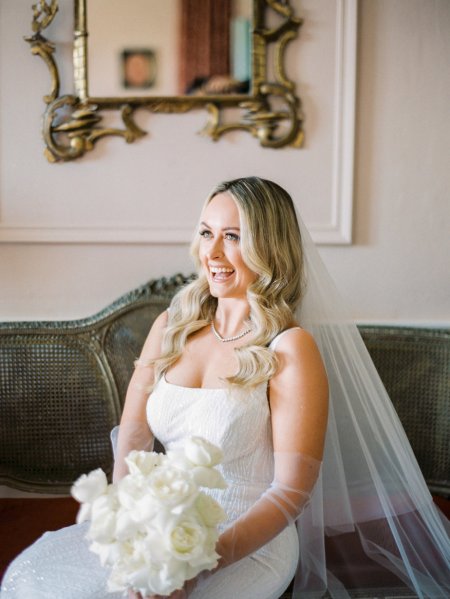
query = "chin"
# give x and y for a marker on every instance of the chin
(220, 291)
(217, 292)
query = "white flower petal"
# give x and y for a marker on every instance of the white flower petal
(103, 520)
(84, 513)
(172, 486)
(89, 486)
(126, 526)
(202, 453)
(208, 477)
(143, 462)
(210, 510)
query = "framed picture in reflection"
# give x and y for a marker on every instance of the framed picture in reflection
(138, 68)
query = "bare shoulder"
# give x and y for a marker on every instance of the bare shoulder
(296, 342)
(152, 345)
(299, 362)
(160, 322)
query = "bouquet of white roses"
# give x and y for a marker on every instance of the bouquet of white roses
(155, 528)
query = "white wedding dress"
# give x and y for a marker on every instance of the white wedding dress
(60, 565)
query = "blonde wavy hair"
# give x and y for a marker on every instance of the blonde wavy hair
(271, 247)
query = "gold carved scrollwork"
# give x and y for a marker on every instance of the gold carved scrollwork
(43, 15)
(81, 130)
(71, 126)
(271, 112)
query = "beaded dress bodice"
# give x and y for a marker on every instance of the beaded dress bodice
(236, 421)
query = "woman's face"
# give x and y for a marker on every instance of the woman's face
(219, 249)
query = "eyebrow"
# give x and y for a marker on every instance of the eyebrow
(223, 228)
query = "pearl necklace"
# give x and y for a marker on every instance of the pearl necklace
(226, 339)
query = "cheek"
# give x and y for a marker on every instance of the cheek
(251, 277)
(201, 254)
(247, 273)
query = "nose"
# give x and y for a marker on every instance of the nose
(215, 249)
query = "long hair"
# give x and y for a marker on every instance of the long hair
(271, 247)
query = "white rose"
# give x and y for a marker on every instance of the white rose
(126, 525)
(103, 519)
(90, 486)
(186, 538)
(210, 510)
(130, 489)
(84, 513)
(158, 578)
(109, 553)
(117, 580)
(211, 542)
(178, 458)
(149, 548)
(143, 462)
(172, 487)
(202, 452)
(147, 566)
(208, 477)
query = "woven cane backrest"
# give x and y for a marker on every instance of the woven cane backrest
(54, 397)
(414, 365)
(125, 337)
(62, 386)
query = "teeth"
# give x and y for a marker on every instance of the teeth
(216, 269)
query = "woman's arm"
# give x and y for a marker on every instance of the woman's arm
(134, 432)
(299, 411)
(299, 396)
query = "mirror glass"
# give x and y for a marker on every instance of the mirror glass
(168, 47)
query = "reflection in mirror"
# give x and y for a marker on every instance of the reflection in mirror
(209, 63)
(169, 47)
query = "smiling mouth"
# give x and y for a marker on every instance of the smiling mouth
(221, 273)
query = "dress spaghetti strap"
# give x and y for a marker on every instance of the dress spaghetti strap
(275, 340)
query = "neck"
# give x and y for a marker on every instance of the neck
(230, 316)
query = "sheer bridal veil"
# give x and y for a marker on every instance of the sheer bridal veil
(371, 502)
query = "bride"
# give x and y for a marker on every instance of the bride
(258, 357)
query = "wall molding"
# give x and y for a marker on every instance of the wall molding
(337, 231)
(344, 127)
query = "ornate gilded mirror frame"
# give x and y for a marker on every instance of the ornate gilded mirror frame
(271, 112)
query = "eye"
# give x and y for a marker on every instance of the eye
(205, 234)
(232, 237)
